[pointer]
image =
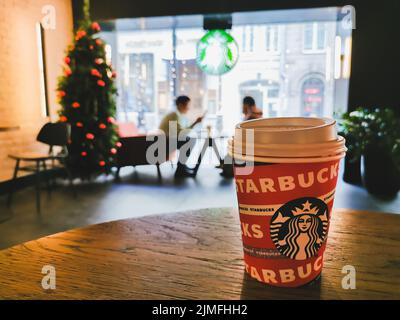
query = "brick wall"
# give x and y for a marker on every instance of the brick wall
(20, 101)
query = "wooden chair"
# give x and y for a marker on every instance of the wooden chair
(54, 135)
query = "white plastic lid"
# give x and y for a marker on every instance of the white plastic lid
(287, 138)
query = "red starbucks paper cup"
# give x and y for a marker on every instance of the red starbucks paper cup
(285, 202)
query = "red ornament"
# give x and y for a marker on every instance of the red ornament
(90, 136)
(95, 73)
(102, 126)
(99, 42)
(67, 72)
(84, 154)
(111, 120)
(99, 61)
(113, 151)
(67, 60)
(79, 124)
(101, 83)
(102, 163)
(96, 27)
(118, 144)
(63, 119)
(114, 74)
(80, 34)
(61, 94)
(76, 105)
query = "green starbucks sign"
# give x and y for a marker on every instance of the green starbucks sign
(217, 52)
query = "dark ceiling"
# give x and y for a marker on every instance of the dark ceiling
(106, 9)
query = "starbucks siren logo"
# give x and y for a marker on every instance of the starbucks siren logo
(299, 228)
(217, 52)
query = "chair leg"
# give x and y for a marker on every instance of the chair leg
(159, 172)
(117, 174)
(37, 173)
(13, 183)
(71, 181)
(48, 185)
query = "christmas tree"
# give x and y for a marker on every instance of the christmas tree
(86, 93)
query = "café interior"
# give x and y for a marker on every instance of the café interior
(315, 59)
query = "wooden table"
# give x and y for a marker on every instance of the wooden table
(196, 255)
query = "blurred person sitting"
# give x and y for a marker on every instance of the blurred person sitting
(250, 110)
(176, 125)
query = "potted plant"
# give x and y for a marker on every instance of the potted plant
(352, 161)
(375, 135)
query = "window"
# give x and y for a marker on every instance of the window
(248, 39)
(156, 61)
(314, 37)
(251, 39)
(272, 39)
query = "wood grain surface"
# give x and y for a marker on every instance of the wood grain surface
(196, 255)
(9, 128)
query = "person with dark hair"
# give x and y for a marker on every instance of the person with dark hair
(250, 112)
(179, 116)
(175, 125)
(250, 109)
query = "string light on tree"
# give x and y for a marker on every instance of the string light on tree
(95, 73)
(61, 94)
(90, 136)
(96, 27)
(67, 72)
(111, 120)
(80, 34)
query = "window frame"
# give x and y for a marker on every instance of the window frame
(314, 34)
(273, 30)
(248, 41)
